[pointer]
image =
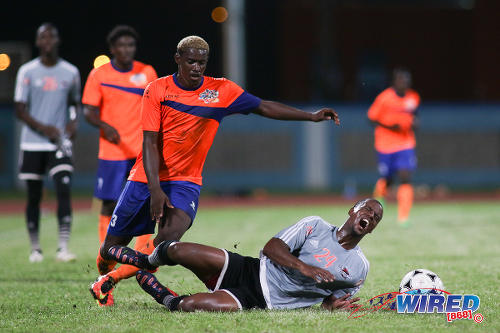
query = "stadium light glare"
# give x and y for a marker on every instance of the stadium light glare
(219, 14)
(101, 60)
(4, 61)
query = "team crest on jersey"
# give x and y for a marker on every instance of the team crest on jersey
(138, 79)
(344, 272)
(209, 96)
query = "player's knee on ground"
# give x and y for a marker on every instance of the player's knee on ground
(188, 305)
(199, 303)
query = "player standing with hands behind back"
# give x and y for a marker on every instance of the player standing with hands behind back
(394, 115)
(45, 87)
(112, 102)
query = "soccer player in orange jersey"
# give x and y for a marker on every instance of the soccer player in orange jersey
(180, 117)
(112, 101)
(394, 115)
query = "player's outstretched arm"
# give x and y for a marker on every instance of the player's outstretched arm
(277, 250)
(92, 115)
(275, 110)
(151, 161)
(49, 131)
(333, 303)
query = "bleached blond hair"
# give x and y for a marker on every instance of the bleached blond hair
(192, 42)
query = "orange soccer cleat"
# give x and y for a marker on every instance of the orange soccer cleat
(102, 290)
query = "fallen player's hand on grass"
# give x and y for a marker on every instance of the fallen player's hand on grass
(342, 303)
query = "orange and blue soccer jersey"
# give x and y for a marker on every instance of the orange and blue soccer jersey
(187, 121)
(118, 94)
(390, 109)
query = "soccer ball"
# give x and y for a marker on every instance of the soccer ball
(421, 281)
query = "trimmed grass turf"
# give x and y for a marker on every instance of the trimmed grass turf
(459, 241)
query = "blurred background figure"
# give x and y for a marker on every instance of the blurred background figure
(45, 87)
(394, 115)
(112, 102)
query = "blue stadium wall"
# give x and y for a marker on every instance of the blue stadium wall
(458, 145)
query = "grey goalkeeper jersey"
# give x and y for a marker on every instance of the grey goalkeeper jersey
(313, 241)
(47, 92)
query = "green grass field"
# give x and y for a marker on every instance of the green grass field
(459, 241)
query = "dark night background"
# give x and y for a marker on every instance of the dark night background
(307, 53)
(297, 50)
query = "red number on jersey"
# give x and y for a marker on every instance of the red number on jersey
(330, 259)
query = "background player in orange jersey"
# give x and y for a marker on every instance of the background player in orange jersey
(394, 115)
(112, 98)
(180, 117)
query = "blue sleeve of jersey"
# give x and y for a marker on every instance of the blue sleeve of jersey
(245, 103)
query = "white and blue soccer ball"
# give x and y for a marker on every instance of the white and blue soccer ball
(421, 281)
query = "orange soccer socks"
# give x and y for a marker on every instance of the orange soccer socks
(405, 201)
(143, 244)
(103, 227)
(380, 189)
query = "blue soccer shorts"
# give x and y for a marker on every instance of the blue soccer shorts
(111, 175)
(131, 216)
(389, 164)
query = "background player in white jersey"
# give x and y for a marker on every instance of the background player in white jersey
(307, 263)
(45, 88)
